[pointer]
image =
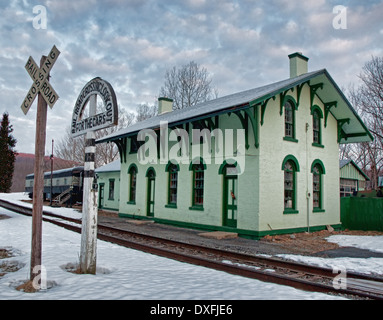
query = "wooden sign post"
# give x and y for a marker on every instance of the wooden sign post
(46, 95)
(95, 121)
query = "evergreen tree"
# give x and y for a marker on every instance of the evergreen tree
(7, 154)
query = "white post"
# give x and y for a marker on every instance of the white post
(89, 206)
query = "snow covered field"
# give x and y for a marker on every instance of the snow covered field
(133, 275)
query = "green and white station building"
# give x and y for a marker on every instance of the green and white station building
(258, 162)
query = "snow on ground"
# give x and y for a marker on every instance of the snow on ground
(129, 274)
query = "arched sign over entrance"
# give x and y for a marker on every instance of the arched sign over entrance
(107, 118)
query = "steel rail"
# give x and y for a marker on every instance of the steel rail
(245, 271)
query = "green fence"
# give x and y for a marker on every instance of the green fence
(362, 213)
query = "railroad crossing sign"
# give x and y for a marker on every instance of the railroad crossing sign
(40, 81)
(46, 95)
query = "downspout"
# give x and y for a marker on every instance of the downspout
(307, 180)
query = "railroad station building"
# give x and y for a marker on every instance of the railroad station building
(263, 161)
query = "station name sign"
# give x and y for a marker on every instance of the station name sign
(107, 118)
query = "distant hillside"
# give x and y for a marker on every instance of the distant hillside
(24, 165)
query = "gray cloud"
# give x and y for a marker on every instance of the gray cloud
(131, 43)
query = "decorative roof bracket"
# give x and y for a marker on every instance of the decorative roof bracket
(327, 108)
(341, 133)
(313, 90)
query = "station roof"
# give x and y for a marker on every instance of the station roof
(110, 167)
(344, 162)
(355, 130)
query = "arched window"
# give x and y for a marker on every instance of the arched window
(198, 168)
(317, 170)
(132, 171)
(290, 167)
(172, 169)
(289, 120)
(198, 184)
(289, 108)
(317, 128)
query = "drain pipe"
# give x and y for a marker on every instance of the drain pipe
(307, 180)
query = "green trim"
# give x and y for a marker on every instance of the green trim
(150, 169)
(110, 209)
(197, 208)
(122, 147)
(315, 107)
(317, 145)
(195, 162)
(315, 162)
(297, 54)
(327, 108)
(290, 211)
(244, 233)
(291, 84)
(167, 169)
(293, 188)
(245, 125)
(165, 99)
(292, 158)
(150, 191)
(170, 164)
(254, 123)
(299, 91)
(194, 168)
(221, 169)
(111, 198)
(287, 98)
(319, 164)
(229, 205)
(356, 167)
(290, 139)
(263, 108)
(341, 133)
(132, 198)
(313, 90)
(101, 194)
(133, 165)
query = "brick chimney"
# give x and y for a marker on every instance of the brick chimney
(298, 64)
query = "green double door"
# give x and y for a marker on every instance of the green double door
(230, 200)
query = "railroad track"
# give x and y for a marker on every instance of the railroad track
(297, 275)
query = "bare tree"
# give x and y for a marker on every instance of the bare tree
(188, 86)
(107, 152)
(70, 148)
(368, 100)
(145, 111)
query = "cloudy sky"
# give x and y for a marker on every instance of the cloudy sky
(131, 43)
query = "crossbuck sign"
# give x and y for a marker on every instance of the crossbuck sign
(40, 81)
(46, 96)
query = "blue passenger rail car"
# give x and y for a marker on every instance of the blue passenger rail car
(67, 185)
